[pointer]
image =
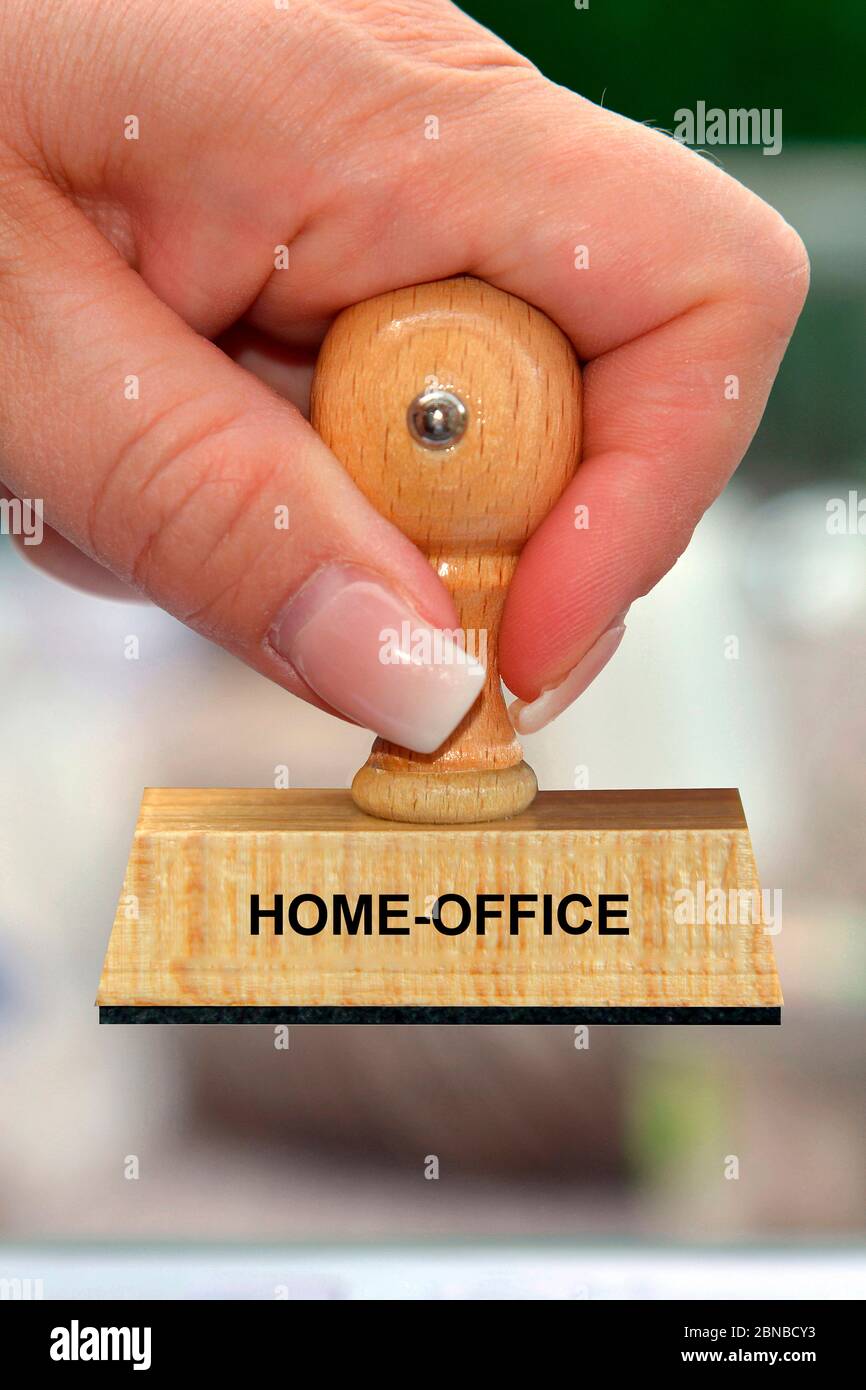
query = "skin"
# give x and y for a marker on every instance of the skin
(261, 127)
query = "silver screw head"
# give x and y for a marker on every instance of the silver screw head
(437, 418)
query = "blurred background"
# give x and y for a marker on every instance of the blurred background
(627, 1140)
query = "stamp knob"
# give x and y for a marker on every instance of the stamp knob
(456, 409)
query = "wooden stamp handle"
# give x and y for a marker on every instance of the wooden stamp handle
(456, 409)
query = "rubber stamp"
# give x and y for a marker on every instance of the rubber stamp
(444, 886)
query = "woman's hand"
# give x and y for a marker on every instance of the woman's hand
(155, 155)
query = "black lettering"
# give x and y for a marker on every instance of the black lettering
(386, 912)
(343, 915)
(484, 914)
(604, 912)
(258, 913)
(515, 915)
(465, 914)
(562, 914)
(294, 920)
(546, 915)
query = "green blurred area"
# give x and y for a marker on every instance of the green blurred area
(679, 1116)
(649, 57)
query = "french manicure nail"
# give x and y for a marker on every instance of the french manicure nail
(528, 718)
(367, 653)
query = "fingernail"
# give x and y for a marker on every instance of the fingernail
(528, 718)
(365, 651)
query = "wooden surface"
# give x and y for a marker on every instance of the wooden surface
(470, 508)
(244, 809)
(199, 854)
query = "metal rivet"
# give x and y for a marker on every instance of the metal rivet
(437, 418)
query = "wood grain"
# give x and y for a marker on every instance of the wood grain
(181, 936)
(470, 508)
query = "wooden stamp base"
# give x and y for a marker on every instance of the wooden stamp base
(181, 939)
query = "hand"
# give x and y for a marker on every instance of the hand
(165, 458)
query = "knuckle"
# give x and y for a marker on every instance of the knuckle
(786, 257)
(449, 39)
(776, 270)
(180, 512)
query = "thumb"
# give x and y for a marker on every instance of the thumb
(191, 480)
